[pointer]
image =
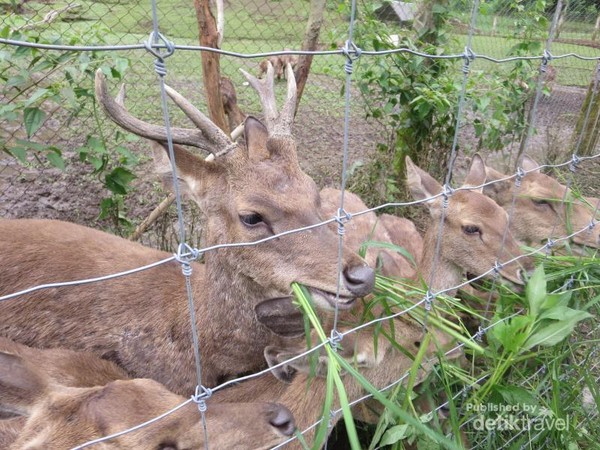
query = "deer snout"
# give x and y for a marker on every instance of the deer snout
(282, 419)
(359, 280)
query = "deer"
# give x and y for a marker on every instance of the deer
(279, 63)
(539, 213)
(369, 227)
(249, 192)
(472, 233)
(380, 362)
(63, 401)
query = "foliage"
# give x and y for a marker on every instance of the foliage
(411, 96)
(37, 84)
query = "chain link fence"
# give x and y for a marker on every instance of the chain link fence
(58, 153)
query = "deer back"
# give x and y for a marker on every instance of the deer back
(70, 397)
(539, 212)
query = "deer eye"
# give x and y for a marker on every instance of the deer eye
(251, 220)
(471, 229)
(540, 202)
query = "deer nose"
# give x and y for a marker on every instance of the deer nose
(282, 419)
(359, 280)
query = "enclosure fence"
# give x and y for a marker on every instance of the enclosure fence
(161, 48)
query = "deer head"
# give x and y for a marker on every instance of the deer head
(539, 212)
(251, 192)
(59, 416)
(472, 234)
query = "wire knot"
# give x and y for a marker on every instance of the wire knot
(200, 396)
(341, 218)
(446, 194)
(335, 339)
(519, 177)
(479, 335)
(592, 225)
(468, 56)
(352, 53)
(546, 58)
(185, 255)
(575, 160)
(428, 300)
(549, 244)
(151, 46)
(497, 267)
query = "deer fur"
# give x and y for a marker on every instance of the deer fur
(67, 398)
(460, 251)
(539, 213)
(369, 227)
(380, 363)
(141, 322)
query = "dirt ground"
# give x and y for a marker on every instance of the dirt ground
(74, 194)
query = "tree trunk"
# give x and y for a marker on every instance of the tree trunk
(587, 131)
(211, 69)
(311, 39)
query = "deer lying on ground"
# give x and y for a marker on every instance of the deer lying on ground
(471, 238)
(369, 227)
(141, 321)
(381, 364)
(66, 401)
(539, 213)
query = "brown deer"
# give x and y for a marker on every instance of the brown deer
(58, 415)
(141, 322)
(377, 359)
(279, 63)
(539, 212)
(369, 227)
(471, 238)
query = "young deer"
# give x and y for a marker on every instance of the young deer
(141, 322)
(377, 359)
(539, 213)
(67, 398)
(472, 232)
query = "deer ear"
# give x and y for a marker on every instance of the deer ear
(421, 185)
(256, 136)
(529, 164)
(20, 385)
(476, 175)
(195, 173)
(281, 316)
(499, 191)
(312, 363)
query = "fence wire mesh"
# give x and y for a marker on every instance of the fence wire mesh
(45, 167)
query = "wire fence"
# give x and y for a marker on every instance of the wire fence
(576, 27)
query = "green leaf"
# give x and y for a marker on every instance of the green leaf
(511, 333)
(536, 290)
(394, 434)
(118, 180)
(20, 153)
(55, 158)
(38, 94)
(515, 395)
(556, 331)
(33, 118)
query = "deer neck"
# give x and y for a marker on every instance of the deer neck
(438, 272)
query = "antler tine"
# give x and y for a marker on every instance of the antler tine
(266, 94)
(119, 114)
(286, 118)
(211, 131)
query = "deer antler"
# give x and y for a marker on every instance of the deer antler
(277, 123)
(208, 137)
